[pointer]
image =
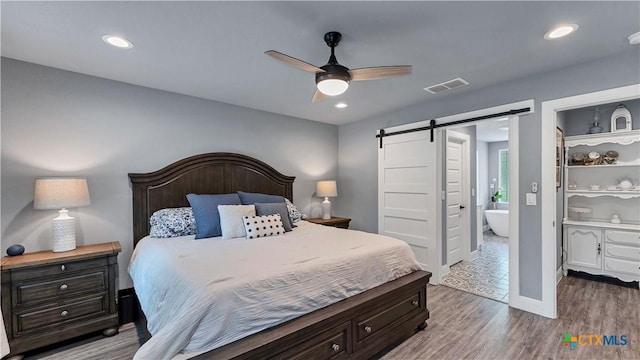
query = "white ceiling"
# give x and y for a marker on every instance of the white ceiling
(214, 50)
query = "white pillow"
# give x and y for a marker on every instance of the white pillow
(231, 219)
(263, 226)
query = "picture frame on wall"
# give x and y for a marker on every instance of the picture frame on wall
(559, 157)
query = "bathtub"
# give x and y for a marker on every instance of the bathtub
(498, 221)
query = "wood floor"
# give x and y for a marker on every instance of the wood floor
(466, 326)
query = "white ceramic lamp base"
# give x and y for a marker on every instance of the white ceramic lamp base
(326, 209)
(64, 232)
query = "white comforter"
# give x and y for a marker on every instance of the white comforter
(198, 295)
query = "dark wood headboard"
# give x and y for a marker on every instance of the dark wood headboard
(212, 173)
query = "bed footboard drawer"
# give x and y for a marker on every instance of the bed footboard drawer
(330, 344)
(380, 322)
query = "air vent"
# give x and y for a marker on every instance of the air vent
(447, 85)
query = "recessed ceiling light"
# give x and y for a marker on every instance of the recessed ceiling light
(117, 41)
(341, 105)
(634, 39)
(560, 31)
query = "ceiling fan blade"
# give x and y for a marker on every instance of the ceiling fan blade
(379, 72)
(317, 96)
(293, 61)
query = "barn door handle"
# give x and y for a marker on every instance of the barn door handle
(461, 207)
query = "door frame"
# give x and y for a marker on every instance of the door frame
(549, 111)
(466, 224)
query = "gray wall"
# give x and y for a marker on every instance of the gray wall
(579, 121)
(59, 123)
(357, 164)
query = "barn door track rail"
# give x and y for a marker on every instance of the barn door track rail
(432, 124)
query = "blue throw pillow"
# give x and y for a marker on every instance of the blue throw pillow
(252, 198)
(205, 210)
(275, 208)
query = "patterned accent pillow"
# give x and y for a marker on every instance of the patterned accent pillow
(172, 222)
(294, 214)
(263, 226)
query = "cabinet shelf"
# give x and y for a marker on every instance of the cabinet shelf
(606, 166)
(623, 138)
(594, 244)
(602, 224)
(626, 194)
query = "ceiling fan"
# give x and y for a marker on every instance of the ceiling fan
(333, 79)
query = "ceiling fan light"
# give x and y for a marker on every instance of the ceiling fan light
(332, 87)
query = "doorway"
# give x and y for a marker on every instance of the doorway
(457, 186)
(484, 270)
(551, 265)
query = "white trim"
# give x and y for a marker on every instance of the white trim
(549, 111)
(559, 275)
(514, 225)
(444, 271)
(524, 303)
(473, 255)
(438, 137)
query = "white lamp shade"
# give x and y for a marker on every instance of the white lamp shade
(332, 87)
(326, 188)
(57, 193)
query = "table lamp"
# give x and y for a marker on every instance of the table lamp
(62, 193)
(326, 188)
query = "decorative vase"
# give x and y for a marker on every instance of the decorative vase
(15, 250)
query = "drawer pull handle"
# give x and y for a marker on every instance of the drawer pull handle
(415, 303)
(335, 347)
(64, 313)
(368, 329)
(63, 287)
(62, 268)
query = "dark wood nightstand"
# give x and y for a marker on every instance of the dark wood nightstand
(48, 297)
(335, 221)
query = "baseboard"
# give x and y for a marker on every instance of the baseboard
(559, 275)
(473, 255)
(485, 228)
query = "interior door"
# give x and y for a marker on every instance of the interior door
(407, 194)
(455, 201)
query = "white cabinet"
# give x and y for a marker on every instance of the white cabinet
(594, 243)
(601, 251)
(585, 247)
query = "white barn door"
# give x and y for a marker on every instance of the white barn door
(407, 194)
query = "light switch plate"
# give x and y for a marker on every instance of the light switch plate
(531, 199)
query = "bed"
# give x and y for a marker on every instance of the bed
(335, 319)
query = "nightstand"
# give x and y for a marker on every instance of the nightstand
(48, 297)
(335, 221)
